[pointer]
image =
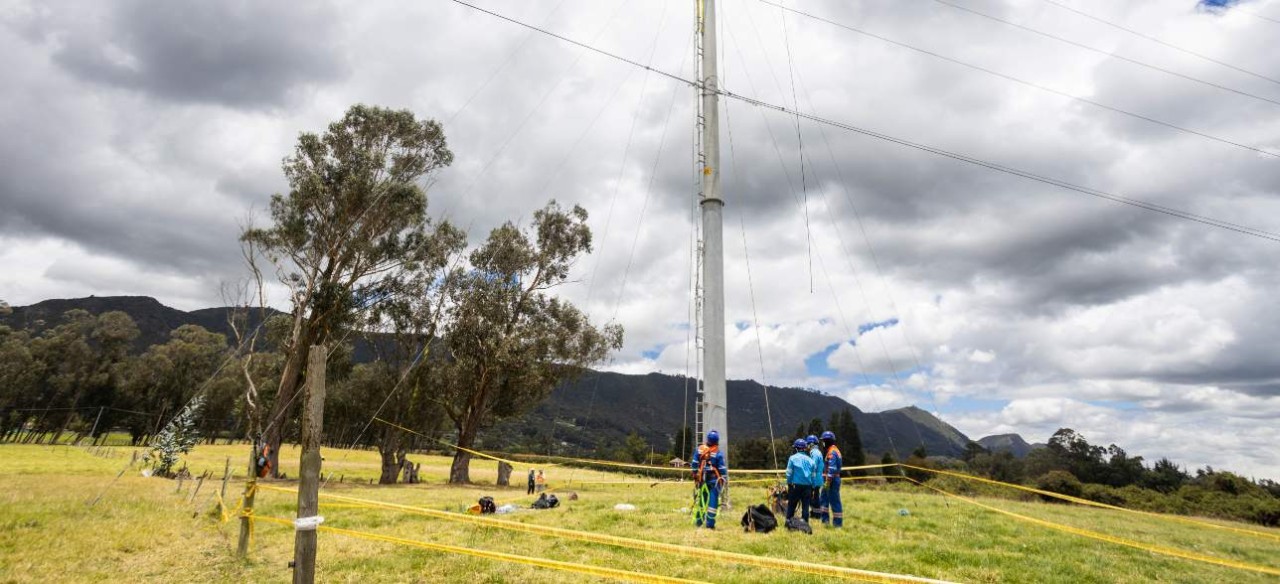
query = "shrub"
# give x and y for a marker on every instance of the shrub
(1104, 494)
(1061, 482)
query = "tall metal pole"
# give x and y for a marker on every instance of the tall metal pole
(715, 412)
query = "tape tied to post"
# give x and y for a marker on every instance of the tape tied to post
(308, 523)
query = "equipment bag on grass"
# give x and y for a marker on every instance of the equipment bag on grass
(759, 519)
(798, 524)
(546, 501)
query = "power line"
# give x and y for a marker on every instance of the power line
(622, 165)
(835, 297)
(751, 287)
(1024, 82)
(484, 170)
(510, 57)
(1244, 230)
(1104, 52)
(1221, 224)
(648, 193)
(893, 368)
(804, 185)
(1162, 42)
(875, 260)
(1256, 15)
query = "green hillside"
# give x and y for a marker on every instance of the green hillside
(601, 409)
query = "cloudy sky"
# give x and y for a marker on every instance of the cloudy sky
(136, 138)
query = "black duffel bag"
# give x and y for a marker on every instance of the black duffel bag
(759, 519)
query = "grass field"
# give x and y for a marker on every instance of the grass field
(142, 530)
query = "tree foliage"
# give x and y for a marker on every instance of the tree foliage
(508, 341)
(355, 214)
(177, 438)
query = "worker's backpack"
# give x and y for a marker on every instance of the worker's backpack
(487, 506)
(546, 501)
(798, 524)
(759, 519)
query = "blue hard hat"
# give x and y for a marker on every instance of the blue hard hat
(800, 444)
(713, 437)
(829, 435)
(811, 439)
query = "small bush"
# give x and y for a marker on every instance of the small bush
(1061, 482)
(1104, 494)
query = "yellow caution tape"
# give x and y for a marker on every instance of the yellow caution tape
(474, 452)
(667, 482)
(1081, 501)
(588, 461)
(648, 467)
(1177, 553)
(779, 479)
(492, 555)
(348, 506)
(652, 546)
(682, 468)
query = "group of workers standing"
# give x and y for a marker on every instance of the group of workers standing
(537, 483)
(813, 478)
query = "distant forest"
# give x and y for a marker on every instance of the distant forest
(84, 379)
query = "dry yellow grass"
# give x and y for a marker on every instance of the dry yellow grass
(142, 530)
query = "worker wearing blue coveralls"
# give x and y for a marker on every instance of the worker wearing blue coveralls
(831, 480)
(815, 501)
(710, 469)
(800, 470)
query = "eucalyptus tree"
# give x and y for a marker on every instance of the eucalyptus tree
(509, 341)
(161, 381)
(402, 332)
(355, 214)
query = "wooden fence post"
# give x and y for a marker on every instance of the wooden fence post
(250, 492)
(226, 474)
(304, 542)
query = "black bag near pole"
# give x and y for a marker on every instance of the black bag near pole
(759, 519)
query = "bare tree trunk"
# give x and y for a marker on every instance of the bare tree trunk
(460, 470)
(393, 455)
(280, 412)
(290, 381)
(65, 423)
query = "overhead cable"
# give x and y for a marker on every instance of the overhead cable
(1205, 220)
(852, 339)
(804, 184)
(1025, 82)
(1256, 15)
(1104, 52)
(1161, 42)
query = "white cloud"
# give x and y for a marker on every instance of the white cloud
(980, 356)
(878, 398)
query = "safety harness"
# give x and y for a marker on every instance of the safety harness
(704, 454)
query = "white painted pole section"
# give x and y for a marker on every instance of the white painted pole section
(715, 413)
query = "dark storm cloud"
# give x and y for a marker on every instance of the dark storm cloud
(239, 54)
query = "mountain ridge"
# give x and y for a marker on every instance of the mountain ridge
(598, 406)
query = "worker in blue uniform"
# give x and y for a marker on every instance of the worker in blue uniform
(831, 479)
(815, 494)
(800, 472)
(709, 469)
